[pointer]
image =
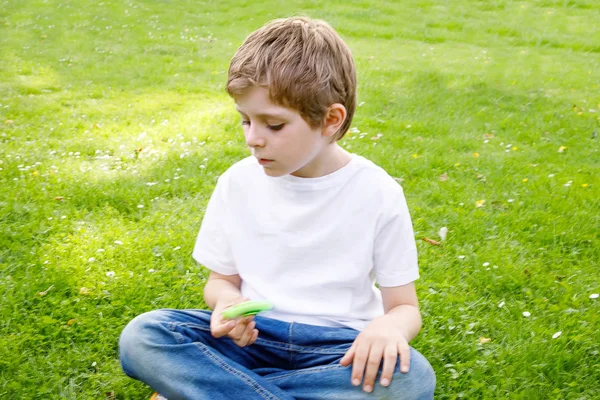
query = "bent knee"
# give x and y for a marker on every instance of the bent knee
(139, 328)
(136, 338)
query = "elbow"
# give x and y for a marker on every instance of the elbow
(419, 324)
(417, 319)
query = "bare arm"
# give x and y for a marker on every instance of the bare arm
(221, 289)
(401, 302)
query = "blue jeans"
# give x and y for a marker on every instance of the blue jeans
(174, 352)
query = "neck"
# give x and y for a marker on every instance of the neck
(329, 160)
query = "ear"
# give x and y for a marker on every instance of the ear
(334, 118)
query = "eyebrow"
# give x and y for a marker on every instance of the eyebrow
(265, 115)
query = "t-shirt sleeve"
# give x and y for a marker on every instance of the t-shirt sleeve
(213, 247)
(395, 249)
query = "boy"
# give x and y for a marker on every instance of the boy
(303, 224)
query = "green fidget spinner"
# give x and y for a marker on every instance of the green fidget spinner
(246, 308)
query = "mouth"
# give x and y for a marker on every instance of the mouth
(264, 161)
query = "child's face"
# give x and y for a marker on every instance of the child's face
(281, 140)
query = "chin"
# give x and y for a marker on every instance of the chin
(275, 173)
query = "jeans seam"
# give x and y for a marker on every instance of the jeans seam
(297, 348)
(179, 337)
(303, 349)
(305, 371)
(191, 325)
(291, 345)
(261, 391)
(278, 345)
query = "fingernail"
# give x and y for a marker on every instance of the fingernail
(404, 368)
(385, 381)
(368, 389)
(356, 382)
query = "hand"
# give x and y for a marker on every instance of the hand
(382, 339)
(241, 330)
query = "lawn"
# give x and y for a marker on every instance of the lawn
(114, 126)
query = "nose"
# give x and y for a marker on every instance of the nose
(253, 137)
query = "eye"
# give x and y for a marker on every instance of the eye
(245, 122)
(276, 127)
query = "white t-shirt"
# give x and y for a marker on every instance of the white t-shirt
(313, 247)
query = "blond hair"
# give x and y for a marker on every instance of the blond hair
(304, 64)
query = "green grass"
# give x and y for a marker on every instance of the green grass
(109, 106)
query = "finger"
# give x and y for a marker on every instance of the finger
(390, 357)
(404, 351)
(244, 320)
(219, 330)
(360, 361)
(373, 363)
(254, 337)
(246, 336)
(349, 356)
(249, 333)
(240, 328)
